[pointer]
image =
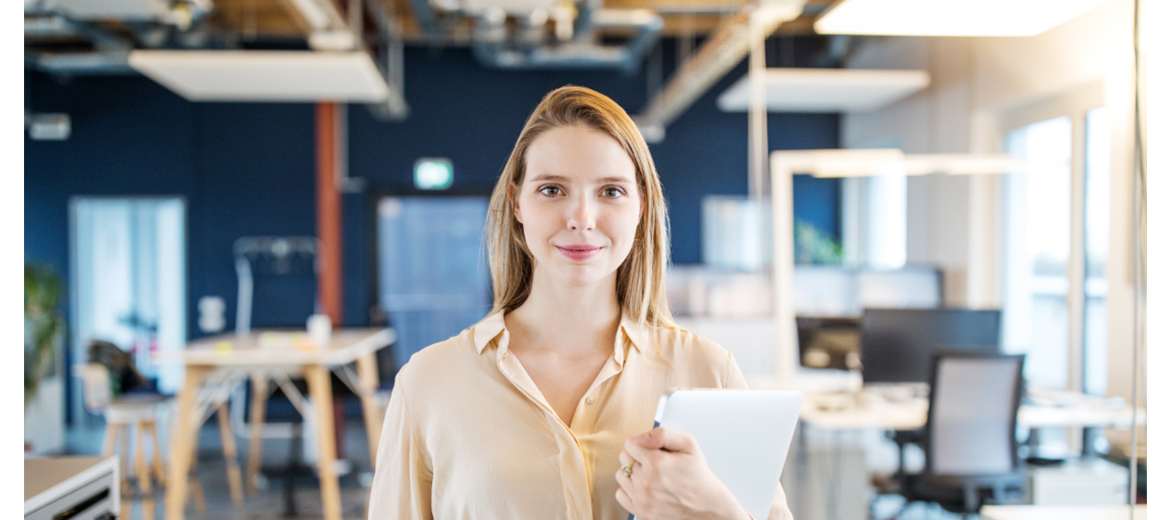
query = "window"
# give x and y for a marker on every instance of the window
(1056, 245)
(1097, 144)
(1038, 231)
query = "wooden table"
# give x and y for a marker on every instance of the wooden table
(1062, 512)
(215, 365)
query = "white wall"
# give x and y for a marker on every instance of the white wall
(955, 222)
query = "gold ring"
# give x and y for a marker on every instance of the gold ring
(628, 468)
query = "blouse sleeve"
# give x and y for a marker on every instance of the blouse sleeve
(779, 509)
(401, 489)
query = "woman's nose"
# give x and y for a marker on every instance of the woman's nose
(582, 214)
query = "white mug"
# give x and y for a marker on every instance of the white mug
(320, 328)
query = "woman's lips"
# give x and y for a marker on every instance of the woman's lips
(579, 253)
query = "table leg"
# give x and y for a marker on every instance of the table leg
(256, 442)
(183, 442)
(125, 455)
(367, 366)
(140, 469)
(156, 453)
(322, 395)
(196, 495)
(229, 454)
(108, 442)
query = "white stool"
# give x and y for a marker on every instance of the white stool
(140, 412)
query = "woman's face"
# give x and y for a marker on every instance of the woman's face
(579, 204)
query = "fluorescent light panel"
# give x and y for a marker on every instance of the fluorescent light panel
(258, 76)
(826, 90)
(924, 164)
(950, 17)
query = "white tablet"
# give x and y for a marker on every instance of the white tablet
(744, 435)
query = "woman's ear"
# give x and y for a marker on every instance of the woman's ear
(515, 203)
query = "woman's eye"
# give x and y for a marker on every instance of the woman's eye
(549, 190)
(613, 192)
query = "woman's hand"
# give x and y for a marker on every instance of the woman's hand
(670, 480)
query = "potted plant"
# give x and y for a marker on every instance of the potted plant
(44, 327)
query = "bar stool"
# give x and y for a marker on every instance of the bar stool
(139, 413)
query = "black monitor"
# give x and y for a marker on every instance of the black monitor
(897, 345)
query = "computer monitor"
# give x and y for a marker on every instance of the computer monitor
(897, 345)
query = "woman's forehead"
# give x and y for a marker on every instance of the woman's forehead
(578, 154)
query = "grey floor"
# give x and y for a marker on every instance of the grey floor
(269, 504)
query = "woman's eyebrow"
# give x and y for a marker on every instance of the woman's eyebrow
(615, 179)
(558, 178)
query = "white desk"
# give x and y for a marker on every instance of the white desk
(863, 410)
(1062, 512)
(88, 486)
(225, 361)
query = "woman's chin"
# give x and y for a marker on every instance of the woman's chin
(584, 275)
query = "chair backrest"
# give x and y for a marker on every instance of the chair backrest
(95, 385)
(971, 425)
(279, 256)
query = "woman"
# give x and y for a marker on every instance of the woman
(544, 409)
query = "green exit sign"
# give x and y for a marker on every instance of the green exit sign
(433, 174)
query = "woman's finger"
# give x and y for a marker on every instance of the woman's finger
(625, 458)
(664, 439)
(623, 498)
(624, 482)
(636, 452)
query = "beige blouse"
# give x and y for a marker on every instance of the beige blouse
(469, 436)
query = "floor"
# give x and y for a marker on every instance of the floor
(269, 502)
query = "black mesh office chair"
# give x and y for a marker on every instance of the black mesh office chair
(970, 434)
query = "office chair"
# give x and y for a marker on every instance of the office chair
(970, 433)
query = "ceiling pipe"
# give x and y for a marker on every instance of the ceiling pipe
(111, 63)
(491, 37)
(49, 27)
(425, 16)
(722, 51)
(391, 66)
(583, 26)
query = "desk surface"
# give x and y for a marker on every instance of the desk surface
(48, 479)
(279, 348)
(1061, 513)
(864, 410)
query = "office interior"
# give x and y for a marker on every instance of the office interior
(856, 212)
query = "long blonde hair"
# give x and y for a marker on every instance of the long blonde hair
(641, 278)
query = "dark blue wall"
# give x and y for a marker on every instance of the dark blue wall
(248, 169)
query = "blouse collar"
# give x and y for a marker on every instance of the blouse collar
(492, 326)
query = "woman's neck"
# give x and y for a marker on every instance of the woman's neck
(557, 315)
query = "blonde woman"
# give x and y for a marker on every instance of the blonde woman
(544, 409)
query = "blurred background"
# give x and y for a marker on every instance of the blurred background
(862, 193)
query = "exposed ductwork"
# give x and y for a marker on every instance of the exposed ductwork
(391, 64)
(426, 17)
(718, 55)
(107, 63)
(491, 41)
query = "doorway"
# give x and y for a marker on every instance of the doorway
(129, 282)
(433, 279)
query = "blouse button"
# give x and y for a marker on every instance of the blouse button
(589, 400)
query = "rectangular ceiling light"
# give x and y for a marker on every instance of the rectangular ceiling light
(950, 17)
(258, 76)
(826, 90)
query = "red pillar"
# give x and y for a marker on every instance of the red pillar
(328, 211)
